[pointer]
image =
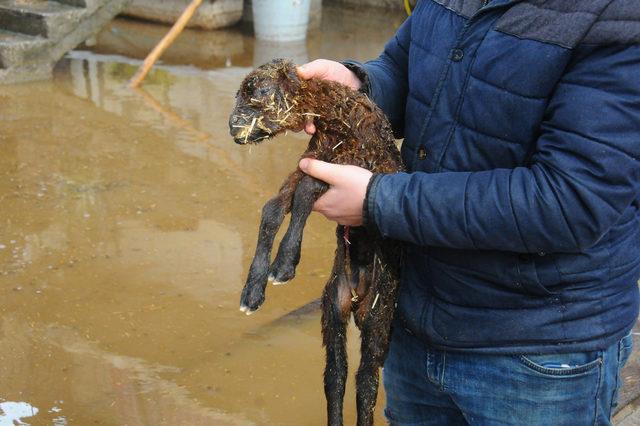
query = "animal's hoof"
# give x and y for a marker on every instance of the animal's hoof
(247, 310)
(281, 273)
(248, 307)
(252, 297)
(274, 281)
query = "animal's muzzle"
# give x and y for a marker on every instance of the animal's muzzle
(234, 125)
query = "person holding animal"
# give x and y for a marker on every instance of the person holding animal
(519, 210)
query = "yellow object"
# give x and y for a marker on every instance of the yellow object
(407, 7)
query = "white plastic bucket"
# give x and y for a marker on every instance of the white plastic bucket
(281, 20)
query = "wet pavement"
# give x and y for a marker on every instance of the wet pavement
(128, 222)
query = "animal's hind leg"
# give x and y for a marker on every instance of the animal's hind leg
(272, 216)
(307, 192)
(336, 309)
(374, 332)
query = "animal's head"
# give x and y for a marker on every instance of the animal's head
(267, 103)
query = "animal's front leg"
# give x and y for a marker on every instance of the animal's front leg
(272, 216)
(307, 192)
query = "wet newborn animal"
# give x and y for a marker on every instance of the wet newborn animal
(350, 129)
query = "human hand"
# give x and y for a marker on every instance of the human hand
(344, 200)
(327, 70)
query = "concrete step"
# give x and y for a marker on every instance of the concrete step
(24, 73)
(16, 48)
(88, 5)
(43, 18)
(35, 34)
(77, 3)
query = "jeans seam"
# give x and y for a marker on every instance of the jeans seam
(617, 381)
(598, 388)
(428, 365)
(444, 365)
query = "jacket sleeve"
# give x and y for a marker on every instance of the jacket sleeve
(386, 77)
(584, 173)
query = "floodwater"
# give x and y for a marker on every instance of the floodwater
(128, 221)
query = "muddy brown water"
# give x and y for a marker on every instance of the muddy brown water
(128, 221)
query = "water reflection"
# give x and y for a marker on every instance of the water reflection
(124, 255)
(12, 413)
(21, 413)
(264, 51)
(204, 49)
(344, 32)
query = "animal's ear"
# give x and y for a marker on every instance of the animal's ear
(289, 78)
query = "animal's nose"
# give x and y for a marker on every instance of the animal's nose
(234, 120)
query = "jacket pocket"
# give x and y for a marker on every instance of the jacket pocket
(538, 274)
(534, 288)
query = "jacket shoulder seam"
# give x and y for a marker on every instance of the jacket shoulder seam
(539, 40)
(520, 95)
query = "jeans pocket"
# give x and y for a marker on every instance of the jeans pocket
(625, 347)
(562, 365)
(393, 419)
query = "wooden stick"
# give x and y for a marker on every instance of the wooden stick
(166, 41)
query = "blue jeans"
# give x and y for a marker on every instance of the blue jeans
(432, 387)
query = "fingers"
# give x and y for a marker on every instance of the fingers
(326, 172)
(325, 69)
(318, 69)
(322, 205)
(343, 200)
(309, 127)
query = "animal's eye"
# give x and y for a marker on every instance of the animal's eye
(261, 91)
(249, 86)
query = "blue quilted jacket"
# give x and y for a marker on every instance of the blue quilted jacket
(521, 126)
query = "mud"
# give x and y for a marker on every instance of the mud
(128, 220)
